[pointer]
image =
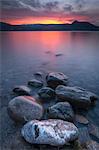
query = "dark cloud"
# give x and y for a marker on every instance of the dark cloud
(51, 5)
(32, 3)
(80, 4)
(8, 4)
(68, 8)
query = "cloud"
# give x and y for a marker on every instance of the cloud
(8, 4)
(51, 5)
(68, 8)
(80, 4)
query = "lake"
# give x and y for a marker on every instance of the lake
(76, 54)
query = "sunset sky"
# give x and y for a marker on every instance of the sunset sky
(49, 11)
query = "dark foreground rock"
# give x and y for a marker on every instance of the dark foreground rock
(24, 108)
(56, 78)
(22, 90)
(61, 110)
(46, 93)
(51, 132)
(77, 96)
(35, 83)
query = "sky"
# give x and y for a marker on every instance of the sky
(49, 11)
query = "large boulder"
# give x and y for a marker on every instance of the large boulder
(46, 93)
(35, 83)
(77, 96)
(56, 78)
(51, 132)
(22, 90)
(61, 110)
(24, 108)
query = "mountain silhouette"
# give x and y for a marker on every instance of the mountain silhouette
(75, 26)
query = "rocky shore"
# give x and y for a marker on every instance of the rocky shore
(50, 118)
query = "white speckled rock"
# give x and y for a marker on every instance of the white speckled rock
(24, 108)
(51, 132)
(22, 90)
(35, 83)
(56, 78)
(77, 96)
(61, 110)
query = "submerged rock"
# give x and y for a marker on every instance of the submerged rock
(56, 78)
(46, 93)
(81, 119)
(52, 132)
(35, 83)
(24, 108)
(38, 74)
(58, 54)
(22, 90)
(77, 96)
(61, 110)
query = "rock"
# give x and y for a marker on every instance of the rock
(59, 54)
(84, 137)
(22, 90)
(81, 119)
(24, 108)
(38, 74)
(92, 145)
(56, 78)
(61, 110)
(35, 83)
(93, 130)
(52, 132)
(46, 93)
(77, 96)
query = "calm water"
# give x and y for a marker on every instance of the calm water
(24, 53)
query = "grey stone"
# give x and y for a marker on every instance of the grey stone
(61, 110)
(24, 108)
(35, 83)
(52, 132)
(56, 78)
(77, 96)
(46, 93)
(22, 90)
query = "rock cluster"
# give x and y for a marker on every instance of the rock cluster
(58, 128)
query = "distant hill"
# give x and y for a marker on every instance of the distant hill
(75, 26)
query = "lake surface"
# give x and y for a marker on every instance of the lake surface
(24, 53)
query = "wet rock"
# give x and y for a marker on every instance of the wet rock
(56, 78)
(22, 90)
(24, 108)
(93, 130)
(38, 74)
(84, 137)
(51, 132)
(46, 93)
(81, 119)
(35, 83)
(61, 110)
(77, 96)
(58, 54)
(92, 145)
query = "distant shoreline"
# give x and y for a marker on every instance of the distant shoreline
(75, 26)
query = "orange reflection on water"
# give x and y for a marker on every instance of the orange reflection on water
(50, 39)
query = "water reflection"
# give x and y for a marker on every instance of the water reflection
(80, 51)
